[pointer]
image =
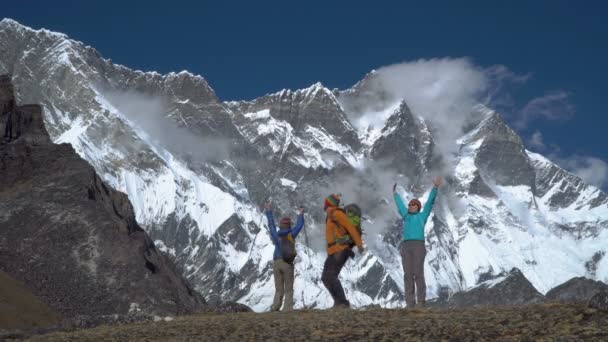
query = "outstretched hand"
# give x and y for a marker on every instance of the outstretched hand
(395, 187)
(437, 181)
(267, 206)
(361, 249)
(301, 211)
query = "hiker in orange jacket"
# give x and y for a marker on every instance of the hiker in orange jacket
(341, 236)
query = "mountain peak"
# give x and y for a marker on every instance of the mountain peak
(502, 155)
(184, 74)
(493, 125)
(17, 26)
(317, 90)
(9, 22)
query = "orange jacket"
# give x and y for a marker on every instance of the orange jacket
(338, 224)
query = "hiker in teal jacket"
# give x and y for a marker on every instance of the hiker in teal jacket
(412, 247)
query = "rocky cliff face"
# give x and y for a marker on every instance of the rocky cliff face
(69, 237)
(579, 289)
(508, 289)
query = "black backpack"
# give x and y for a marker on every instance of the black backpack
(288, 248)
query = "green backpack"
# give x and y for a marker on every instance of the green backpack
(353, 212)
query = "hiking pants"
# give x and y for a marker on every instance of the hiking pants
(412, 258)
(331, 270)
(8, 128)
(283, 285)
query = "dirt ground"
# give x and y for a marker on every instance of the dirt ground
(553, 322)
(20, 309)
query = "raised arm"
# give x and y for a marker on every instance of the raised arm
(299, 223)
(272, 227)
(400, 205)
(428, 206)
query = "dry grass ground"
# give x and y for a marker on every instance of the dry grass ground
(537, 322)
(20, 309)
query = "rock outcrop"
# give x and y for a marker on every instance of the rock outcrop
(71, 239)
(509, 289)
(576, 290)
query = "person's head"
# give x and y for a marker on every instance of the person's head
(414, 206)
(332, 200)
(285, 223)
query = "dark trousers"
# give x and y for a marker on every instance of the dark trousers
(412, 257)
(8, 128)
(331, 270)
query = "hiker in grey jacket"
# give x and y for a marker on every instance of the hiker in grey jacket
(412, 247)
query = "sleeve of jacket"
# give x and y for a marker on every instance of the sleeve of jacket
(273, 229)
(400, 204)
(299, 225)
(343, 221)
(428, 206)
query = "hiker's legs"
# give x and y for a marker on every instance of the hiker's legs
(18, 123)
(419, 253)
(407, 260)
(288, 276)
(331, 271)
(8, 129)
(279, 285)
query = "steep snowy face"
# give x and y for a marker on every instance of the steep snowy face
(306, 110)
(507, 215)
(501, 154)
(196, 170)
(88, 103)
(406, 142)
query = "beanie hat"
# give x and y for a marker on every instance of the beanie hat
(332, 200)
(285, 222)
(416, 202)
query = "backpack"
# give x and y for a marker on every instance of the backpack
(288, 248)
(353, 212)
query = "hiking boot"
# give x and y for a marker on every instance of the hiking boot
(421, 305)
(340, 307)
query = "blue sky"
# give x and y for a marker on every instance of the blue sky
(556, 49)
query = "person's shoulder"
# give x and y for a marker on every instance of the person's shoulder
(338, 211)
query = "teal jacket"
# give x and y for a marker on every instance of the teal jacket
(413, 224)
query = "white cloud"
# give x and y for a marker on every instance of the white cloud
(501, 74)
(150, 113)
(499, 79)
(592, 170)
(443, 91)
(536, 141)
(552, 106)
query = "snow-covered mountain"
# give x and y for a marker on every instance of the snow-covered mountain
(197, 173)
